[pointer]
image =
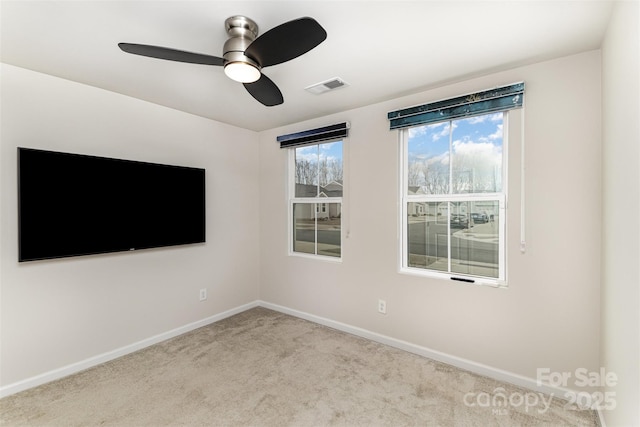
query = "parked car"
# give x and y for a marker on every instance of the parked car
(479, 218)
(459, 221)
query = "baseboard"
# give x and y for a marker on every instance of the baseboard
(478, 368)
(114, 354)
(468, 365)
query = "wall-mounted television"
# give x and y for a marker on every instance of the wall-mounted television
(73, 204)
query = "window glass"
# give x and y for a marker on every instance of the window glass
(306, 171)
(428, 159)
(304, 228)
(474, 238)
(318, 170)
(316, 201)
(476, 151)
(329, 229)
(454, 193)
(427, 243)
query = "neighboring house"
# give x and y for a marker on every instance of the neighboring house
(416, 209)
(415, 189)
(323, 210)
(334, 187)
(442, 209)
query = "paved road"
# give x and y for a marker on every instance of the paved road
(330, 237)
(434, 242)
(422, 242)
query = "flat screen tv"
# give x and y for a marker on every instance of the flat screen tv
(72, 204)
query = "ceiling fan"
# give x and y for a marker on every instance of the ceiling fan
(245, 54)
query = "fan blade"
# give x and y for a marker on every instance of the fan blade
(286, 41)
(265, 91)
(170, 54)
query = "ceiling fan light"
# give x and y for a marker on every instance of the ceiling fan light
(242, 72)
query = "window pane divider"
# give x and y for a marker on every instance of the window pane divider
(452, 197)
(316, 200)
(449, 237)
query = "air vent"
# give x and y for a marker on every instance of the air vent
(326, 86)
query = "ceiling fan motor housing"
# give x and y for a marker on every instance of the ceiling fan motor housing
(242, 31)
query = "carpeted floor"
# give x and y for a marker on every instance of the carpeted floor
(264, 368)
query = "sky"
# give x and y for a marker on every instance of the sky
(470, 148)
(475, 134)
(478, 138)
(330, 151)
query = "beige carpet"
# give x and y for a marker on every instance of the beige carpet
(263, 368)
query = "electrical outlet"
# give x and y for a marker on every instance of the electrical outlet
(203, 294)
(382, 306)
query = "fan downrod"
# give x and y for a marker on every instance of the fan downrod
(241, 26)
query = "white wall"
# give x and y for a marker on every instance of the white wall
(621, 203)
(56, 313)
(549, 315)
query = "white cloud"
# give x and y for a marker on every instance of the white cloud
(497, 134)
(476, 120)
(485, 153)
(444, 132)
(425, 159)
(433, 129)
(417, 131)
(330, 145)
(309, 153)
(307, 150)
(312, 154)
(442, 159)
(309, 157)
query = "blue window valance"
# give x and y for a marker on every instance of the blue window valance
(313, 136)
(497, 99)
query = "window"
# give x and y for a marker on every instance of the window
(454, 198)
(315, 200)
(453, 185)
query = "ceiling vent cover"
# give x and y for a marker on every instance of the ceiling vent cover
(326, 86)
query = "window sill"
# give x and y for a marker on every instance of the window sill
(456, 278)
(334, 260)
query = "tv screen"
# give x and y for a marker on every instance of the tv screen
(71, 204)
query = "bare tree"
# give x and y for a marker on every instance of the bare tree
(335, 170)
(306, 172)
(323, 171)
(415, 176)
(318, 172)
(478, 172)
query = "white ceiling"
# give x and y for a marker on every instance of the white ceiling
(383, 49)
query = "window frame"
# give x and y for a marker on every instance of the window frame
(405, 198)
(318, 201)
